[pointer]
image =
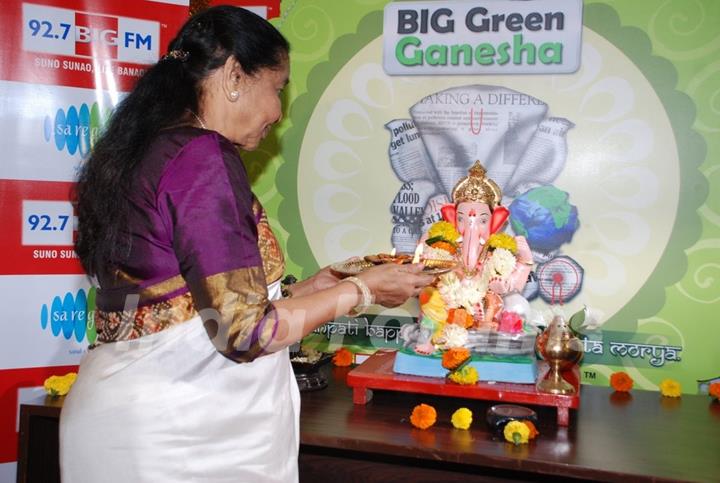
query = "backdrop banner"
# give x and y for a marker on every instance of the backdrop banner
(597, 119)
(65, 65)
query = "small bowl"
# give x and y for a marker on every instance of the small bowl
(499, 415)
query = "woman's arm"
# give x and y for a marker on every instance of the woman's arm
(323, 279)
(299, 315)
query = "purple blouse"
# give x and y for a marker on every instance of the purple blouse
(194, 226)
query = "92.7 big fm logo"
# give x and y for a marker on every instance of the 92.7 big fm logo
(61, 31)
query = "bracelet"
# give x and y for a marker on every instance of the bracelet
(285, 284)
(531, 263)
(367, 298)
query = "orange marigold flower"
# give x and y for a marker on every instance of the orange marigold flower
(423, 416)
(533, 430)
(460, 317)
(443, 245)
(343, 357)
(621, 381)
(452, 358)
(714, 390)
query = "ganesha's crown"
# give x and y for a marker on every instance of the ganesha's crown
(477, 188)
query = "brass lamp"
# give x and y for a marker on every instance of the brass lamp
(559, 347)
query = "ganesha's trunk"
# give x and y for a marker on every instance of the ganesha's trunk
(472, 244)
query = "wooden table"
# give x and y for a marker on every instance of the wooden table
(634, 437)
(377, 373)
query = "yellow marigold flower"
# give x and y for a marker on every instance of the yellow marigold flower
(516, 432)
(670, 388)
(503, 240)
(59, 385)
(466, 375)
(435, 307)
(444, 230)
(462, 418)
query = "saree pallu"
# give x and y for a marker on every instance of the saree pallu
(169, 407)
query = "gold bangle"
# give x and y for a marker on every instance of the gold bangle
(527, 262)
(366, 295)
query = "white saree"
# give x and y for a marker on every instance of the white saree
(169, 408)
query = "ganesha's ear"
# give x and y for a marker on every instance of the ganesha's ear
(449, 214)
(499, 217)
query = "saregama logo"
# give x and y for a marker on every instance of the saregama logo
(71, 316)
(76, 129)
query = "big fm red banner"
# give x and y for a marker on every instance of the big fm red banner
(65, 65)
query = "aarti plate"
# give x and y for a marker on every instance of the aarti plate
(355, 266)
(350, 267)
(438, 267)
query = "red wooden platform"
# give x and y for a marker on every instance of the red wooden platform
(377, 373)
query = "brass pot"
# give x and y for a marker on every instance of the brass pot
(559, 347)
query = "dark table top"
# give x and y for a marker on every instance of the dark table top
(638, 436)
(612, 436)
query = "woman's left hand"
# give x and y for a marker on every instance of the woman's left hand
(323, 279)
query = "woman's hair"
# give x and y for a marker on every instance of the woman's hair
(161, 98)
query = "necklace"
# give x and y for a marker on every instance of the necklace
(202, 124)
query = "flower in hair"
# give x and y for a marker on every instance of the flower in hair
(177, 54)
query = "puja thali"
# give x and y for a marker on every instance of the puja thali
(354, 266)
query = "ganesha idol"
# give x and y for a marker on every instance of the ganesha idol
(477, 215)
(477, 306)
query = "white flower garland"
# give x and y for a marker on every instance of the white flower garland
(469, 292)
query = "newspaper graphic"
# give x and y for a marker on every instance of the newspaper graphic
(408, 156)
(487, 123)
(506, 130)
(543, 159)
(408, 209)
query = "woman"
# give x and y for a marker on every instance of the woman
(190, 378)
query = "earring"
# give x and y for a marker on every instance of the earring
(234, 95)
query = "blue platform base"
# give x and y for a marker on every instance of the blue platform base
(522, 370)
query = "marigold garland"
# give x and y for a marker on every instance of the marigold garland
(444, 230)
(714, 390)
(59, 385)
(503, 240)
(425, 295)
(670, 388)
(460, 317)
(516, 432)
(447, 246)
(462, 418)
(343, 357)
(621, 381)
(423, 416)
(454, 357)
(467, 375)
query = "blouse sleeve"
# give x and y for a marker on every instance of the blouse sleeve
(207, 203)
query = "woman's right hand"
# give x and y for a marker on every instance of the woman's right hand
(392, 284)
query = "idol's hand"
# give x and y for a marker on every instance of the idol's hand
(392, 284)
(524, 254)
